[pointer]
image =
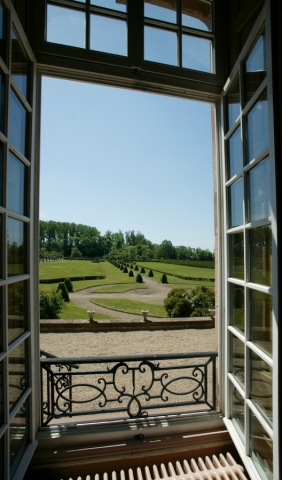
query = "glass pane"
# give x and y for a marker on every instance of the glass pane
(17, 123)
(255, 67)
(17, 319)
(164, 10)
(2, 32)
(238, 412)
(196, 53)
(261, 447)
(16, 247)
(233, 103)
(257, 128)
(2, 456)
(259, 191)
(17, 373)
(261, 385)
(1, 243)
(237, 359)
(18, 436)
(236, 252)
(237, 302)
(16, 184)
(1, 173)
(2, 100)
(119, 5)
(236, 204)
(235, 154)
(66, 26)
(1, 395)
(20, 64)
(196, 14)
(160, 46)
(1, 319)
(261, 255)
(108, 35)
(261, 319)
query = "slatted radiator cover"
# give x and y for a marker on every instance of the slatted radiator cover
(222, 468)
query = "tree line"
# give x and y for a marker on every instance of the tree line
(77, 241)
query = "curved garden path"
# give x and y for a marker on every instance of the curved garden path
(154, 293)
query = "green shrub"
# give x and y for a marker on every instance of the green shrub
(177, 304)
(202, 299)
(125, 270)
(121, 266)
(51, 304)
(139, 278)
(164, 278)
(142, 270)
(131, 266)
(68, 285)
(136, 268)
(62, 288)
(131, 274)
(151, 274)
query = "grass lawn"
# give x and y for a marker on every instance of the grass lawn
(118, 288)
(74, 312)
(184, 270)
(68, 268)
(131, 306)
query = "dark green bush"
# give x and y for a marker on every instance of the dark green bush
(142, 270)
(136, 268)
(164, 278)
(125, 270)
(51, 304)
(139, 278)
(202, 299)
(62, 288)
(151, 274)
(68, 285)
(177, 304)
(131, 266)
(121, 266)
(131, 274)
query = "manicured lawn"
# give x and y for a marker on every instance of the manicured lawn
(73, 312)
(131, 306)
(184, 270)
(118, 288)
(68, 268)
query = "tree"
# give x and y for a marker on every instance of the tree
(202, 299)
(165, 250)
(68, 285)
(177, 304)
(51, 304)
(75, 253)
(62, 288)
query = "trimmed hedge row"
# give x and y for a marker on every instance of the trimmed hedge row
(72, 279)
(185, 278)
(190, 263)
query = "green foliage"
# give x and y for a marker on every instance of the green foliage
(131, 274)
(136, 268)
(139, 278)
(177, 303)
(125, 270)
(131, 266)
(238, 298)
(190, 263)
(202, 299)
(142, 270)
(51, 304)
(62, 288)
(75, 252)
(151, 274)
(68, 285)
(164, 278)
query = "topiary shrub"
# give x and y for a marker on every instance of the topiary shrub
(151, 274)
(68, 285)
(131, 266)
(62, 288)
(177, 304)
(142, 270)
(125, 270)
(164, 278)
(51, 304)
(139, 278)
(136, 268)
(131, 274)
(121, 267)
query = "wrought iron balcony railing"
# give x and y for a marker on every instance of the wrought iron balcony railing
(129, 386)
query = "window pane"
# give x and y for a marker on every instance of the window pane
(1, 243)
(16, 184)
(261, 255)
(237, 359)
(259, 191)
(16, 247)
(20, 64)
(17, 373)
(2, 456)
(254, 68)
(233, 103)
(236, 204)
(2, 32)
(236, 251)
(261, 447)
(2, 101)
(119, 5)
(1, 173)
(196, 14)
(160, 46)
(17, 318)
(261, 319)
(1, 395)
(108, 35)
(1, 319)
(196, 53)
(18, 436)
(66, 26)
(257, 128)
(237, 302)
(261, 385)
(17, 123)
(165, 11)
(235, 154)
(238, 412)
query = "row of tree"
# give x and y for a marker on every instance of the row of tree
(76, 240)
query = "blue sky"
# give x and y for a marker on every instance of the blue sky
(124, 160)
